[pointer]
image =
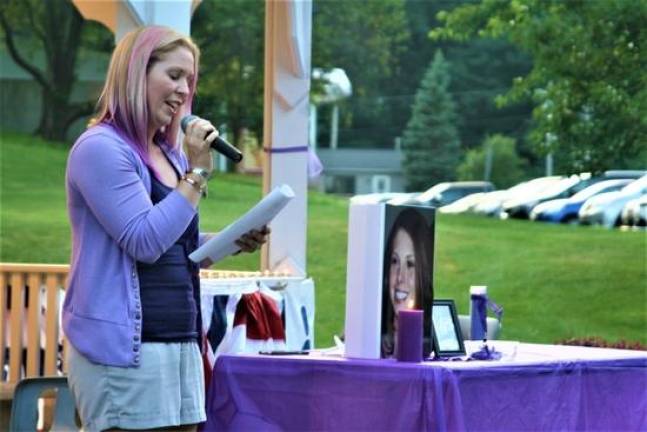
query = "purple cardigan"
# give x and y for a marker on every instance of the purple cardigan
(114, 224)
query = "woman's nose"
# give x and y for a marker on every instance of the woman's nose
(183, 87)
(400, 274)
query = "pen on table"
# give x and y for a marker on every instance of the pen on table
(282, 352)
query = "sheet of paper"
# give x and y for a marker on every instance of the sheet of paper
(223, 244)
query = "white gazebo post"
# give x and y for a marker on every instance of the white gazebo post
(285, 132)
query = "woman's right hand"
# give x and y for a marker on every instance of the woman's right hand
(199, 135)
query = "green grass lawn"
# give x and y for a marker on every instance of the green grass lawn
(554, 282)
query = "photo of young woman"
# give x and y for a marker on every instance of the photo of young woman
(407, 271)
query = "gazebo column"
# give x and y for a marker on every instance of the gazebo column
(285, 128)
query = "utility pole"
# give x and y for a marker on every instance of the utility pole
(487, 170)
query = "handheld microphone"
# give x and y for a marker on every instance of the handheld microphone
(219, 144)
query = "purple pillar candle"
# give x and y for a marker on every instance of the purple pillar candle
(409, 337)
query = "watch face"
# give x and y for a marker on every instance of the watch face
(201, 172)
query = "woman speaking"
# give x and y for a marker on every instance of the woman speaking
(132, 308)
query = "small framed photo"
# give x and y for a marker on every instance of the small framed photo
(448, 339)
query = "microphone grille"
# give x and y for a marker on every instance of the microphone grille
(186, 120)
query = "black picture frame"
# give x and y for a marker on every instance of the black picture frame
(448, 339)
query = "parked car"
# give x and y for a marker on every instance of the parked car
(403, 198)
(492, 202)
(395, 198)
(464, 204)
(374, 198)
(624, 174)
(605, 209)
(565, 209)
(635, 212)
(521, 205)
(448, 192)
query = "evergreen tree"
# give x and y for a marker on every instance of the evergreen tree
(481, 70)
(430, 143)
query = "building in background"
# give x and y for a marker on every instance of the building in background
(361, 171)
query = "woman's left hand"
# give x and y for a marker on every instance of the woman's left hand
(253, 240)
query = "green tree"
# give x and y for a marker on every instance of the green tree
(430, 142)
(366, 39)
(496, 160)
(361, 37)
(230, 36)
(481, 69)
(587, 82)
(56, 28)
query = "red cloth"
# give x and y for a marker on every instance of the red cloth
(207, 361)
(262, 317)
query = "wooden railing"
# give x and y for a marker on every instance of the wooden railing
(29, 321)
(30, 304)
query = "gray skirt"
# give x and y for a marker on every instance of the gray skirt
(167, 389)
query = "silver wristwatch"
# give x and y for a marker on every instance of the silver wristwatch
(206, 175)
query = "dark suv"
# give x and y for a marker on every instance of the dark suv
(448, 192)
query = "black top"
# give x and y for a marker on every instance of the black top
(170, 286)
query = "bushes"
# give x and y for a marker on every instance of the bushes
(504, 168)
(598, 342)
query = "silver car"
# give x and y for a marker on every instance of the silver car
(635, 212)
(605, 209)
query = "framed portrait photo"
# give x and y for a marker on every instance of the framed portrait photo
(390, 269)
(407, 271)
(448, 339)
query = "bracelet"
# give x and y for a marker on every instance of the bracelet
(199, 186)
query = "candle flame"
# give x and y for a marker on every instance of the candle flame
(410, 304)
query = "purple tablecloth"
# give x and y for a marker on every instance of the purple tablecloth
(301, 393)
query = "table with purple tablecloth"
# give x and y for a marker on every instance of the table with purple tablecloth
(536, 387)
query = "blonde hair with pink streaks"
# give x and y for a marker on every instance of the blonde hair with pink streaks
(123, 101)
